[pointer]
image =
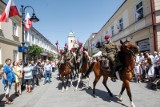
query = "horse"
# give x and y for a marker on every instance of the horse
(65, 73)
(83, 69)
(128, 50)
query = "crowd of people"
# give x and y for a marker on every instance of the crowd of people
(25, 76)
(147, 66)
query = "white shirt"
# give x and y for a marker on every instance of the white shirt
(151, 71)
(47, 67)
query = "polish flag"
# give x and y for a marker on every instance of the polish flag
(27, 23)
(10, 10)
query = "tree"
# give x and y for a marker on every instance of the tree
(34, 51)
(51, 58)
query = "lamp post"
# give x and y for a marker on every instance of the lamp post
(33, 19)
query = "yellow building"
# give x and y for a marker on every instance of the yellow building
(136, 20)
(10, 37)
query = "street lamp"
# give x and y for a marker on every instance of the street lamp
(33, 19)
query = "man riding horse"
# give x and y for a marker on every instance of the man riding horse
(110, 50)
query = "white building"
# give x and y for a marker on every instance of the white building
(71, 40)
(33, 36)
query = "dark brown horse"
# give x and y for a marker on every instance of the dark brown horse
(84, 68)
(65, 73)
(128, 51)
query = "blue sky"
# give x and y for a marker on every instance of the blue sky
(59, 17)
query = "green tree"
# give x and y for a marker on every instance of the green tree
(51, 58)
(34, 51)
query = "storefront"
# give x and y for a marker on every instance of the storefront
(144, 45)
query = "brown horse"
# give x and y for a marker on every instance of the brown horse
(128, 51)
(65, 73)
(84, 68)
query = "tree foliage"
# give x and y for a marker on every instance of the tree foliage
(51, 58)
(34, 51)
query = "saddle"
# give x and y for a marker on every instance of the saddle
(104, 64)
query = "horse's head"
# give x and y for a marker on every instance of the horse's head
(128, 47)
(85, 55)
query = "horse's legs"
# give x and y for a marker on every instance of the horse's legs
(62, 78)
(122, 90)
(127, 85)
(105, 84)
(79, 79)
(94, 84)
(71, 79)
(67, 78)
(88, 83)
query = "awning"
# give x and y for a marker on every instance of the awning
(44, 54)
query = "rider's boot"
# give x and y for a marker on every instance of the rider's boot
(113, 78)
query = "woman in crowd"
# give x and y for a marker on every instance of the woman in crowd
(28, 76)
(151, 70)
(138, 72)
(18, 75)
(8, 78)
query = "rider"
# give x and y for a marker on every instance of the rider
(83, 49)
(111, 50)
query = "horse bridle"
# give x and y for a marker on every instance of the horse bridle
(131, 51)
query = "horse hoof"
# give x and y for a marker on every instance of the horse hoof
(132, 104)
(94, 96)
(111, 95)
(120, 98)
(89, 88)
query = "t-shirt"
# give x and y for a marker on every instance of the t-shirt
(28, 72)
(9, 72)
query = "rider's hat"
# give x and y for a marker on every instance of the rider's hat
(107, 36)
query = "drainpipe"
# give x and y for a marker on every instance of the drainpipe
(154, 24)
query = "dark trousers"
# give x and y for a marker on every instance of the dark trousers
(35, 79)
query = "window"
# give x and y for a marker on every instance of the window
(139, 11)
(112, 30)
(0, 25)
(15, 29)
(15, 55)
(121, 24)
(26, 35)
(32, 38)
(0, 56)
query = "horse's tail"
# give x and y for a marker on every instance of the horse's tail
(89, 70)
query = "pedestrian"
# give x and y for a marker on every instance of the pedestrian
(35, 74)
(151, 70)
(8, 78)
(138, 71)
(47, 72)
(53, 65)
(28, 76)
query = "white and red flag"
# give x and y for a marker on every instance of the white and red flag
(10, 10)
(28, 22)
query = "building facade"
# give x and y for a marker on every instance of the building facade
(10, 37)
(137, 21)
(90, 44)
(34, 37)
